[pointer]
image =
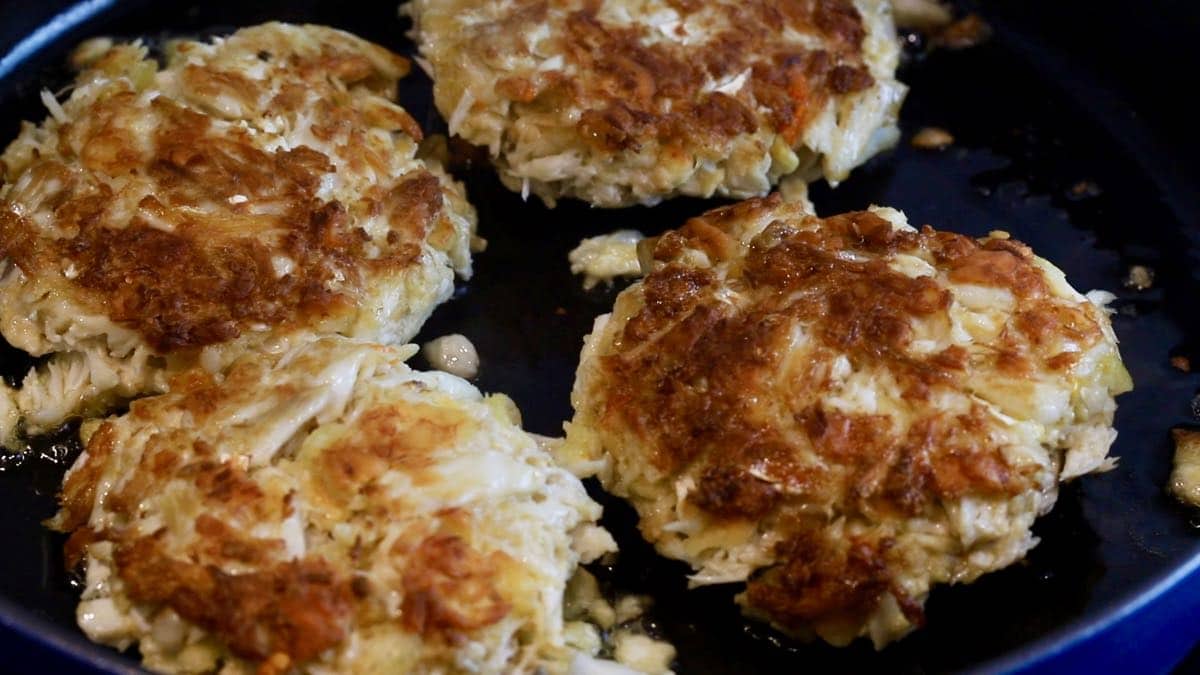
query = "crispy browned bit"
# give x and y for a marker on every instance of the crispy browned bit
(824, 580)
(388, 440)
(449, 588)
(635, 78)
(298, 608)
(932, 138)
(78, 493)
(859, 308)
(732, 491)
(625, 100)
(1140, 278)
(1181, 363)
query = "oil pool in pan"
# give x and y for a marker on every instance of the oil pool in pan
(1067, 150)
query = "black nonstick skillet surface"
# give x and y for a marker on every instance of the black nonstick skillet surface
(1074, 130)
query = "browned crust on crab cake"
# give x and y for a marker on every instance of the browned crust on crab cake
(829, 383)
(611, 81)
(637, 94)
(191, 265)
(252, 189)
(324, 508)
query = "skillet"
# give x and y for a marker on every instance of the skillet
(1071, 133)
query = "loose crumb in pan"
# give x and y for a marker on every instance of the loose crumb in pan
(1185, 477)
(1083, 189)
(454, 354)
(932, 138)
(969, 31)
(1140, 278)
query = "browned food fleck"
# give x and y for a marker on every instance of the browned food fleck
(932, 138)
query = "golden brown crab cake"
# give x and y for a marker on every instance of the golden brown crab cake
(257, 187)
(843, 412)
(326, 509)
(619, 102)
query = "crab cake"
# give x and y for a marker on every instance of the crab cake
(325, 509)
(253, 189)
(843, 412)
(619, 102)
